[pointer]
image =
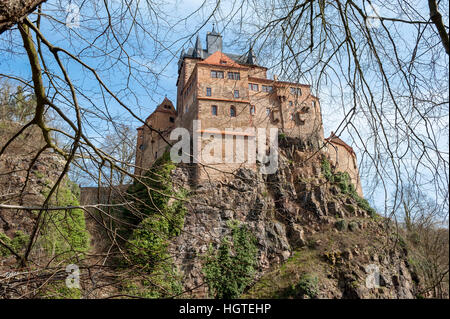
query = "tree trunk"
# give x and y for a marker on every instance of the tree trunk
(13, 11)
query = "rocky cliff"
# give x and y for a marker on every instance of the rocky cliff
(315, 237)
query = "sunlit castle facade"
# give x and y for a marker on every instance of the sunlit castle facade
(228, 94)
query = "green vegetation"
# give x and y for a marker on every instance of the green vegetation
(308, 286)
(16, 104)
(17, 243)
(162, 282)
(163, 212)
(64, 233)
(341, 224)
(298, 277)
(59, 290)
(343, 181)
(230, 269)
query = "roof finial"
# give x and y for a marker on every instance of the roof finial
(213, 28)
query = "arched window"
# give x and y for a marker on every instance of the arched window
(214, 110)
(232, 111)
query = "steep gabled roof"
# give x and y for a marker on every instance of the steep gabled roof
(163, 108)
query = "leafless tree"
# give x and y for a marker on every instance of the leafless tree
(383, 66)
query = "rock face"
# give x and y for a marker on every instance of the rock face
(23, 177)
(294, 210)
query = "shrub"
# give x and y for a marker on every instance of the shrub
(230, 269)
(341, 224)
(59, 290)
(164, 217)
(343, 181)
(163, 210)
(326, 170)
(308, 286)
(17, 243)
(164, 282)
(64, 232)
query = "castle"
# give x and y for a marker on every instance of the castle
(224, 90)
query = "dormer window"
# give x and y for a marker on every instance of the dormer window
(223, 62)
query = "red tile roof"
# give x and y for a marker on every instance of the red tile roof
(336, 140)
(220, 59)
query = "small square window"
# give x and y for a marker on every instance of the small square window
(236, 93)
(252, 109)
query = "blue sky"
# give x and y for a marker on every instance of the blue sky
(153, 54)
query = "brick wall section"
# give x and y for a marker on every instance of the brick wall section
(343, 158)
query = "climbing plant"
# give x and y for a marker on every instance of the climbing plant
(158, 212)
(343, 181)
(231, 268)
